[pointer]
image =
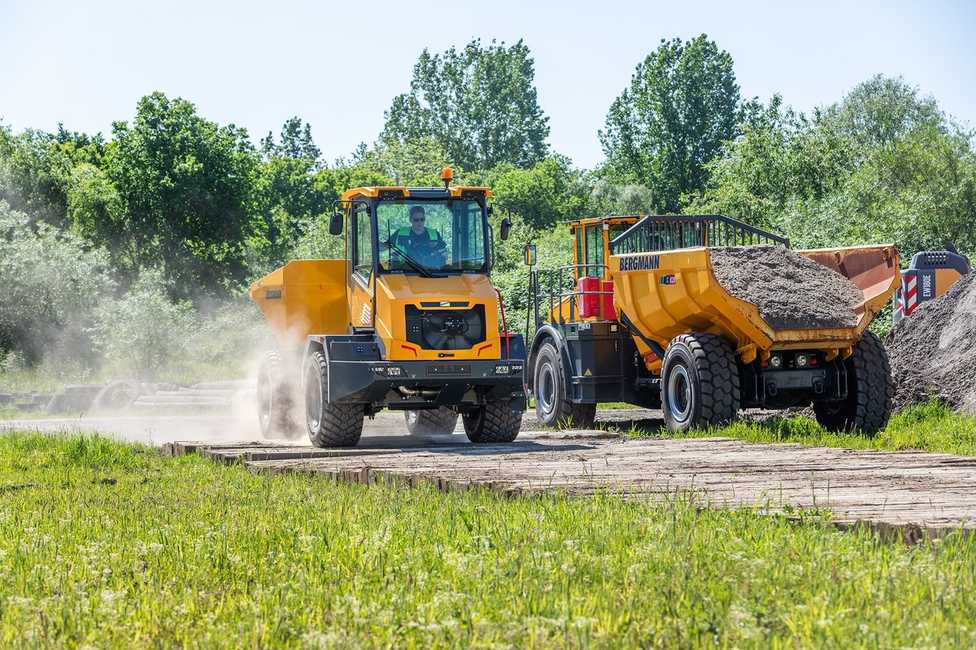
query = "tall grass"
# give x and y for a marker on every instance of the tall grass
(926, 427)
(108, 545)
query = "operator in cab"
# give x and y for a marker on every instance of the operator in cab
(425, 245)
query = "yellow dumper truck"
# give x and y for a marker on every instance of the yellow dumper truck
(409, 320)
(702, 316)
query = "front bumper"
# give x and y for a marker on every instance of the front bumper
(426, 384)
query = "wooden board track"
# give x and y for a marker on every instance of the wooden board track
(910, 494)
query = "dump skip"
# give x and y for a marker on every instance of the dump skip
(790, 291)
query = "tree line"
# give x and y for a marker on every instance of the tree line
(204, 209)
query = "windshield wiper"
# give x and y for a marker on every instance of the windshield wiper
(414, 264)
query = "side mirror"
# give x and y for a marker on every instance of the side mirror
(335, 224)
(528, 253)
(504, 229)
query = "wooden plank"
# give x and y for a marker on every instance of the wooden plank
(915, 493)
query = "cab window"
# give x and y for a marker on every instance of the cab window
(363, 254)
(594, 251)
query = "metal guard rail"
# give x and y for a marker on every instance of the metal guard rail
(553, 286)
(663, 233)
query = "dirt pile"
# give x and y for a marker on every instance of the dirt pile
(791, 291)
(933, 351)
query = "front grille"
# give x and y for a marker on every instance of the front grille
(446, 329)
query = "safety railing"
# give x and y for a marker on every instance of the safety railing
(664, 233)
(552, 287)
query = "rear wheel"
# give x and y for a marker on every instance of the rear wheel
(493, 422)
(549, 383)
(329, 425)
(276, 399)
(699, 382)
(431, 422)
(870, 391)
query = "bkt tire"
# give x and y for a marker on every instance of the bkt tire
(431, 422)
(276, 399)
(699, 383)
(329, 425)
(870, 391)
(549, 383)
(493, 422)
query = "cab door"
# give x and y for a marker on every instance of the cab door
(362, 268)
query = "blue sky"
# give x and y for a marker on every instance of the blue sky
(338, 64)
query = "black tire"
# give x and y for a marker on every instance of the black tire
(870, 391)
(549, 385)
(699, 382)
(431, 421)
(493, 422)
(329, 425)
(277, 399)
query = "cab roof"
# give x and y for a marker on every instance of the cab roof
(394, 192)
(609, 220)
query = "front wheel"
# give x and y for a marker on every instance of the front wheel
(276, 399)
(431, 421)
(699, 382)
(493, 422)
(329, 425)
(870, 391)
(552, 408)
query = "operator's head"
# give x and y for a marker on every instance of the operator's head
(417, 218)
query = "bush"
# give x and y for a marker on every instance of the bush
(143, 332)
(52, 283)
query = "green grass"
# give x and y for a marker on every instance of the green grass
(925, 427)
(109, 545)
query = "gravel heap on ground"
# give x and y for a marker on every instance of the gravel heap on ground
(933, 351)
(791, 291)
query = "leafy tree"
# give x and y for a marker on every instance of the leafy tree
(479, 103)
(879, 111)
(295, 141)
(143, 331)
(610, 198)
(185, 184)
(546, 193)
(410, 162)
(853, 173)
(681, 106)
(52, 283)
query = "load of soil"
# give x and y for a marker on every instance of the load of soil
(790, 291)
(933, 351)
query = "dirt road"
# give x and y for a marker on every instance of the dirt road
(914, 494)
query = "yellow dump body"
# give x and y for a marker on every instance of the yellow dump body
(304, 297)
(695, 301)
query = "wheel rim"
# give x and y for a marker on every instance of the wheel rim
(264, 398)
(547, 388)
(679, 393)
(313, 397)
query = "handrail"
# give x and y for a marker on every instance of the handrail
(552, 282)
(669, 232)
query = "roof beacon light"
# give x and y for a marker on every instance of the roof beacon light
(447, 175)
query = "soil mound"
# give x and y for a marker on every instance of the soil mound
(933, 351)
(791, 291)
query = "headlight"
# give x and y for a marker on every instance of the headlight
(776, 361)
(801, 361)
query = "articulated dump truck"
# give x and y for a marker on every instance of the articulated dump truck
(703, 316)
(408, 321)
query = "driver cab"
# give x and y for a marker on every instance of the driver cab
(594, 287)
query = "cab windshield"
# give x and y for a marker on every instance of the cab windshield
(437, 236)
